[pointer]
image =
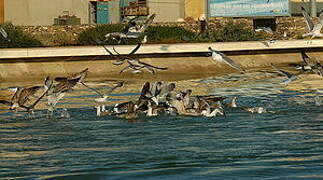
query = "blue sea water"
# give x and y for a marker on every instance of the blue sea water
(286, 143)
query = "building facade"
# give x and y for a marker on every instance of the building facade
(48, 12)
(1, 11)
(43, 12)
(167, 10)
(195, 8)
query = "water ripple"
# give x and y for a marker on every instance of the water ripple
(284, 144)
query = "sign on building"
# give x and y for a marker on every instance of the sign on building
(242, 8)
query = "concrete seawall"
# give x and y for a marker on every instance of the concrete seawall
(183, 60)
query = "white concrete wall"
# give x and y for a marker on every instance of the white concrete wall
(43, 12)
(167, 10)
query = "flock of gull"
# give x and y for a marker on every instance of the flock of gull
(156, 97)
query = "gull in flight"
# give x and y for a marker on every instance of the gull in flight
(291, 77)
(220, 57)
(65, 84)
(23, 94)
(120, 59)
(136, 66)
(315, 67)
(4, 34)
(132, 31)
(104, 97)
(314, 29)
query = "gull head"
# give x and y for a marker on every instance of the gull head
(14, 106)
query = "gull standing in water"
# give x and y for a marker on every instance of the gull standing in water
(233, 103)
(220, 57)
(314, 29)
(255, 110)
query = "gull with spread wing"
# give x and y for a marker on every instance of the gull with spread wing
(220, 57)
(314, 29)
(132, 31)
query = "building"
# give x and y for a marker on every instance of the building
(195, 8)
(165, 10)
(44, 12)
(49, 12)
(1, 11)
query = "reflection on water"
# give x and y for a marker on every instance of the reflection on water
(75, 144)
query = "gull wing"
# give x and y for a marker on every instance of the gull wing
(266, 43)
(13, 89)
(146, 65)
(79, 76)
(92, 89)
(308, 19)
(132, 20)
(119, 84)
(227, 60)
(132, 52)
(24, 94)
(125, 69)
(4, 33)
(321, 17)
(147, 23)
(306, 58)
(60, 79)
(5, 102)
(145, 89)
(213, 98)
(48, 83)
(107, 50)
(150, 70)
(282, 72)
(167, 88)
(232, 63)
(124, 107)
(135, 49)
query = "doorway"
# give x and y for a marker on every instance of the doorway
(99, 12)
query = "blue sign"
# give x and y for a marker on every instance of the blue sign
(242, 8)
